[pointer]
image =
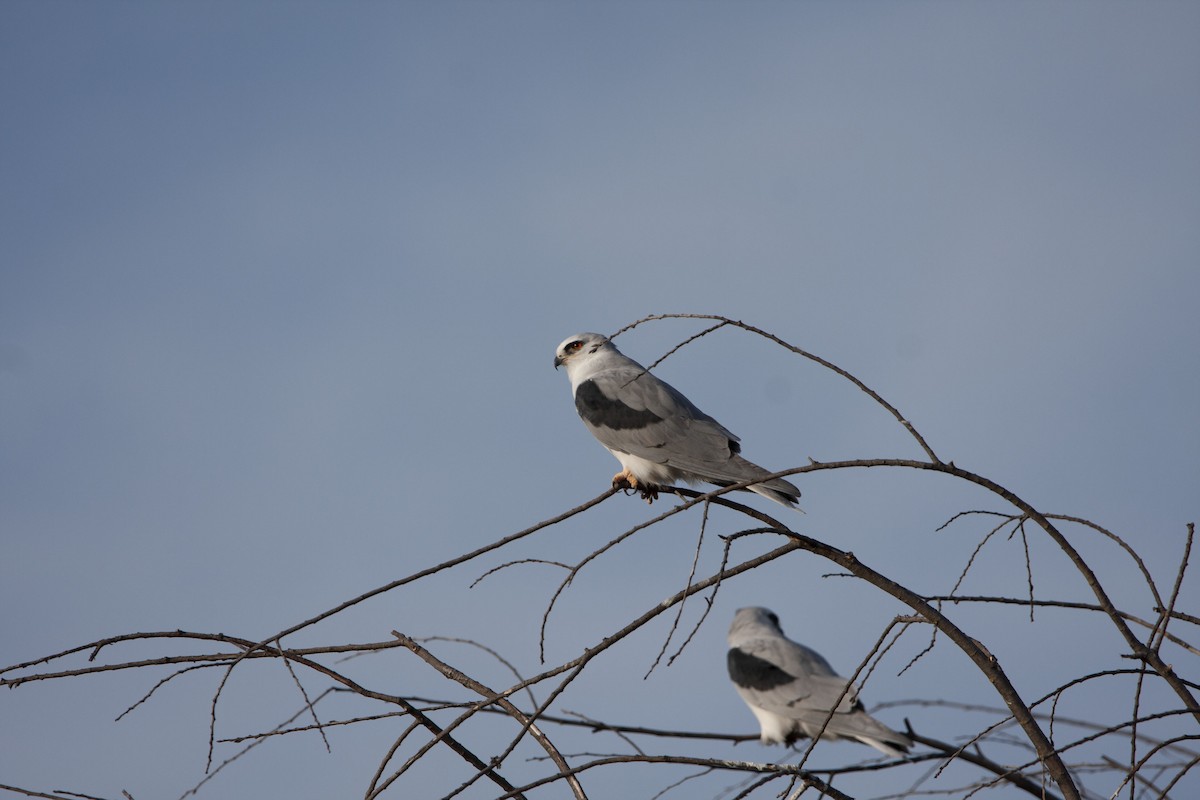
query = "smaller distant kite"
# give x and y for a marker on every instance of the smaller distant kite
(791, 688)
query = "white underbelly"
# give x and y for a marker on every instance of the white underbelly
(647, 471)
(775, 729)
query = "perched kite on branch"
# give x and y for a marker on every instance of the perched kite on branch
(791, 689)
(657, 434)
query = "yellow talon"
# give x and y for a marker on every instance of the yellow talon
(625, 480)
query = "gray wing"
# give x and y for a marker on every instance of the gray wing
(787, 679)
(630, 410)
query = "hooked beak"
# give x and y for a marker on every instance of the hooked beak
(557, 362)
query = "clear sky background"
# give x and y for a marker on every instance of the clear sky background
(280, 286)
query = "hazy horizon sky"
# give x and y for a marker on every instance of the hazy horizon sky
(281, 283)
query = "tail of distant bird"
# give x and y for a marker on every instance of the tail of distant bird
(864, 728)
(887, 747)
(888, 742)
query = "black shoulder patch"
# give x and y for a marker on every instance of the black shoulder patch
(752, 672)
(604, 412)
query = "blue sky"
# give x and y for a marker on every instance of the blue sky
(280, 285)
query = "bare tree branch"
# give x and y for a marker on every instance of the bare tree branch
(506, 704)
(1155, 755)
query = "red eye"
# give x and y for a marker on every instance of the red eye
(573, 346)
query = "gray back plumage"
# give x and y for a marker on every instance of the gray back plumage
(632, 410)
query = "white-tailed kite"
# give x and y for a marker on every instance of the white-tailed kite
(791, 688)
(656, 433)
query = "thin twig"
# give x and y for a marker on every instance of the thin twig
(804, 353)
(477, 687)
(679, 609)
(1006, 773)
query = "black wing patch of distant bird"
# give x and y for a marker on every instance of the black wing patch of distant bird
(752, 672)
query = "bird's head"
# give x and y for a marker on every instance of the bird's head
(752, 622)
(577, 349)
